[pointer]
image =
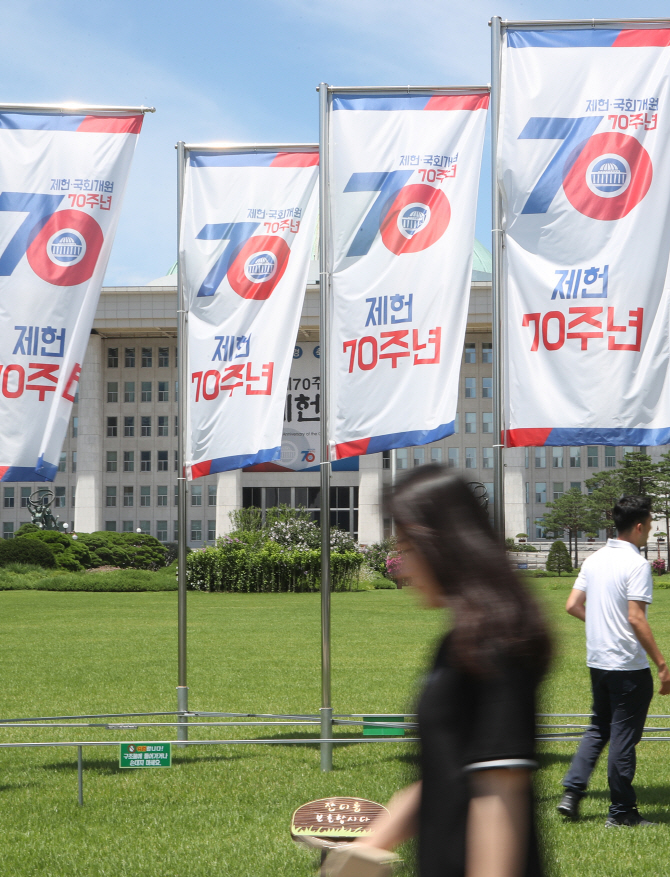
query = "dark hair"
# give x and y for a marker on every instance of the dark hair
(629, 511)
(494, 615)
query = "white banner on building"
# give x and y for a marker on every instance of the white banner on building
(585, 181)
(62, 181)
(404, 172)
(247, 232)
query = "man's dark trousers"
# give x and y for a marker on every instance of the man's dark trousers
(621, 700)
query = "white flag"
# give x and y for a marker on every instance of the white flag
(62, 180)
(585, 179)
(404, 172)
(248, 226)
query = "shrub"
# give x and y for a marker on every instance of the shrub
(383, 584)
(134, 550)
(68, 553)
(172, 552)
(393, 566)
(558, 559)
(658, 567)
(376, 554)
(26, 550)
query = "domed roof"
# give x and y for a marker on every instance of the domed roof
(482, 263)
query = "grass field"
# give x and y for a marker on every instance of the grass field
(226, 810)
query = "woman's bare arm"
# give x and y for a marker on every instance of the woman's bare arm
(400, 823)
(498, 823)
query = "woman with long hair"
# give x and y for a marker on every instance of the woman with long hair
(473, 808)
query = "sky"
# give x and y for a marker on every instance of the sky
(245, 71)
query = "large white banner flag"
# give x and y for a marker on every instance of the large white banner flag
(62, 180)
(404, 171)
(585, 179)
(247, 232)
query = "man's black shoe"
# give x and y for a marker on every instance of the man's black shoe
(569, 805)
(630, 819)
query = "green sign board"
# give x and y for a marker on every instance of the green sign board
(369, 730)
(145, 755)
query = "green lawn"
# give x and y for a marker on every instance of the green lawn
(226, 810)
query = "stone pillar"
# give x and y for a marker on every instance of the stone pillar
(88, 500)
(370, 518)
(515, 500)
(228, 499)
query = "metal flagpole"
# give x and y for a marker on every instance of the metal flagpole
(394, 470)
(497, 245)
(324, 289)
(182, 376)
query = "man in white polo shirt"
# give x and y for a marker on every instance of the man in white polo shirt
(611, 595)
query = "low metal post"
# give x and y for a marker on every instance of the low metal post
(80, 775)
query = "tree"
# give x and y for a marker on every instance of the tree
(571, 512)
(558, 560)
(637, 474)
(604, 493)
(662, 495)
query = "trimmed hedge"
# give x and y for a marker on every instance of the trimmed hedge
(19, 577)
(237, 567)
(26, 550)
(89, 550)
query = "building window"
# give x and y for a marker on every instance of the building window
(163, 391)
(75, 427)
(176, 461)
(540, 458)
(487, 458)
(112, 391)
(145, 461)
(162, 529)
(147, 357)
(452, 458)
(9, 497)
(539, 529)
(470, 353)
(146, 391)
(129, 461)
(575, 458)
(111, 461)
(526, 457)
(76, 397)
(129, 391)
(7, 530)
(610, 458)
(163, 426)
(487, 352)
(145, 528)
(196, 494)
(62, 462)
(196, 531)
(25, 496)
(211, 531)
(129, 427)
(112, 357)
(127, 526)
(527, 492)
(130, 357)
(487, 424)
(592, 456)
(471, 388)
(161, 495)
(470, 422)
(128, 496)
(162, 465)
(576, 485)
(176, 494)
(558, 490)
(176, 391)
(436, 455)
(456, 424)
(146, 426)
(540, 491)
(471, 458)
(74, 461)
(211, 494)
(74, 493)
(59, 499)
(419, 457)
(145, 496)
(110, 526)
(386, 459)
(487, 388)
(176, 426)
(401, 457)
(175, 531)
(110, 497)
(163, 357)
(557, 458)
(112, 427)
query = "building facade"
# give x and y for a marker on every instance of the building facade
(118, 468)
